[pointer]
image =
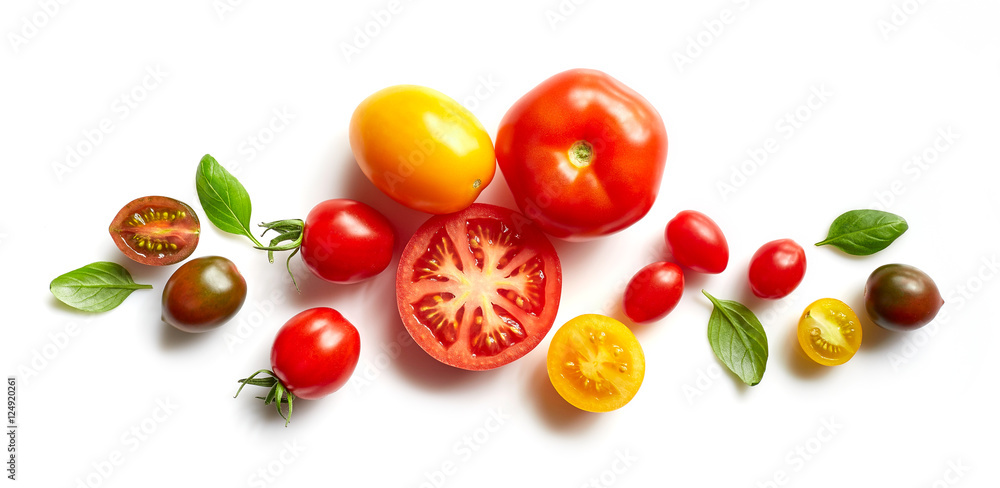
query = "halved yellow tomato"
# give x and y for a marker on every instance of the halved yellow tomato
(595, 363)
(422, 148)
(829, 332)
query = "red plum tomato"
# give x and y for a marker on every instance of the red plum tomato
(777, 268)
(697, 242)
(653, 292)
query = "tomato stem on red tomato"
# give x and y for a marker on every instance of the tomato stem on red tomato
(581, 153)
(278, 393)
(290, 233)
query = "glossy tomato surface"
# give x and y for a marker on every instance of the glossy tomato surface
(346, 241)
(653, 292)
(777, 268)
(596, 363)
(315, 353)
(203, 294)
(583, 154)
(697, 242)
(156, 230)
(479, 288)
(900, 297)
(829, 332)
(422, 148)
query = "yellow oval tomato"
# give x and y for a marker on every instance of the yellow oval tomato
(595, 363)
(422, 148)
(829, 332)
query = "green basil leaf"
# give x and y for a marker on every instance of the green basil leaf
(226, 202)
(864, 232)
(737, 339)
(96, 287)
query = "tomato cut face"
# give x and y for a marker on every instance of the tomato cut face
(596, 363)
(156, 230)
(829, 332)
(479, 288)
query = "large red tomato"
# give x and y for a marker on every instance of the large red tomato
(479, 288)
(583, 154)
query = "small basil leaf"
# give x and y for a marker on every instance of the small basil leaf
(226, 202)
(864, 232)
(96, 287)
(737, 339)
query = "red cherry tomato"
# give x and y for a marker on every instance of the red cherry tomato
(345, 241)
(653, 292)
(479, 288)
(777, 268)
(315, 352)
(583, 154)
(156, 230)
(697, 242)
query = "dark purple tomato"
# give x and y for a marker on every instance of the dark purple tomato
(203, 294)
(900, 297)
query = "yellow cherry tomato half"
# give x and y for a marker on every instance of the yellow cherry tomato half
(422, 148)
(829, 332)
(595, 363)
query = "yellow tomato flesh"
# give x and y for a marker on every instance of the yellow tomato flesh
(829, 332)
(595, 363)
(422, 148)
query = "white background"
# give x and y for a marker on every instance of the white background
(914, 409)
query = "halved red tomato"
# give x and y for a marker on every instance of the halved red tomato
(156, 230)
(478, 288)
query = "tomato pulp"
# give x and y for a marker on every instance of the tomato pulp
(156, 230)
(583, 154)
(479, 288)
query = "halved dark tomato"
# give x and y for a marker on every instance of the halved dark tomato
(479, 288)
(156, 230)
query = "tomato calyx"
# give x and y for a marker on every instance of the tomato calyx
(581, 154)
(289, 238)
(278, 393)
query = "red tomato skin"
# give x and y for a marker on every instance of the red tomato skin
(653, 292)
(697, 242)
(621, 182)
(315, 352)
(346, 241)
(777, 268)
